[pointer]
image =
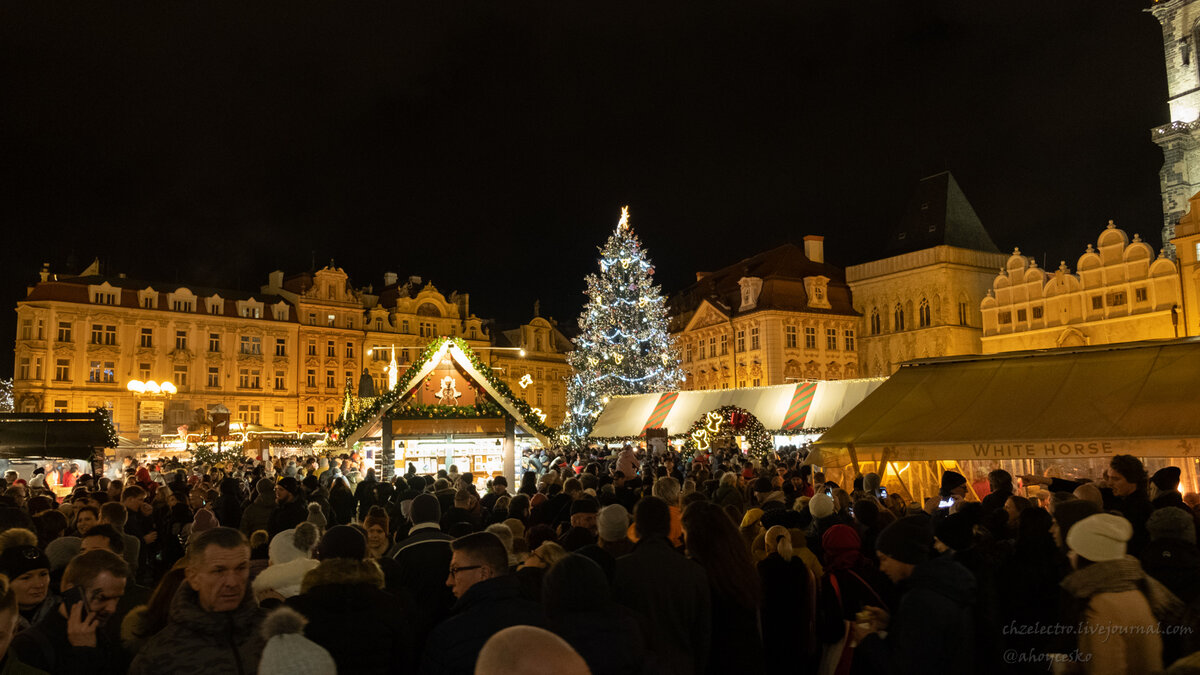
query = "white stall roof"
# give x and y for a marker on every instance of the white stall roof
(795, 407)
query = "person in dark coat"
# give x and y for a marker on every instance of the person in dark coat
(1126, 492)
(363, 628)
(1164, 488)
(1027, 585)
(228, 507)
(364, 494)
(341, 503)
(488, 601)
(1171, 557)
(580, 610)
(290, 509)
(668, 590)
(789, 593)
(1001, 484)
(257, 513)
(422, 564)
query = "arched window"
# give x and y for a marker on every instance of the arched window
(428, 309)
(899, 317)
(924, 313)
(876, 324)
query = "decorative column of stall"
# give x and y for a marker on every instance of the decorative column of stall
(387, 452)
(509, 458)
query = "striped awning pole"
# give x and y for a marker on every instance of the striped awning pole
(661, 410)
(802, 401)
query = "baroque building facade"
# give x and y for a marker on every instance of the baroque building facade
(1122, 292)
(923, 301)
(282, 358)
(1179, 138)
(781, 316)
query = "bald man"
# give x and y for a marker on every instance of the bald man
(525, 650)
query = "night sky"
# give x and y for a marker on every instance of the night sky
(488, 146)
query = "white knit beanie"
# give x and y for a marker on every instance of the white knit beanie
(1100, 537)
(287, 651)
(612, 523)
(820, 506)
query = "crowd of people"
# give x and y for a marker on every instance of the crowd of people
(621, 563)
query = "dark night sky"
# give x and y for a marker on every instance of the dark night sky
(489, 145)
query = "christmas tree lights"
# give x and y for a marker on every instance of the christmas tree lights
(623, 346)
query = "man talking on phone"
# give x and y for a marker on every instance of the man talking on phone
(68, 641)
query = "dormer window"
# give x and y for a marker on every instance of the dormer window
(215, 305)
(250, 309)
(104, 294)
(280, 311)
(751, 288)
(818, 291)
(182, 300)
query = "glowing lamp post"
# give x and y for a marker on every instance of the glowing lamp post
(150, 396)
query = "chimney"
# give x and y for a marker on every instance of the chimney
(275, 279)
(414, 280)
(389, 279)
(814, 248)
(45, 271)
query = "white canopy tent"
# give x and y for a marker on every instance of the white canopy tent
(795, 407)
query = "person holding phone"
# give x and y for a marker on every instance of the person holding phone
(66, 641)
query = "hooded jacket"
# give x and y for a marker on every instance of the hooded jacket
(932, 629)
(196, 642)
(363, 628)
(258, 513)
(484, 610)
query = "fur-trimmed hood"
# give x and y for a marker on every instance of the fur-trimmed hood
(343, 571)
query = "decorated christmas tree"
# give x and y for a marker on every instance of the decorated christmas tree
(623, 345)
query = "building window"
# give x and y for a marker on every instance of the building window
(147, 302)
(102, 371)
(312, 318)
(754, 337)
(214, 342)
(251, 344)
(64, 331)
(330, 380)
(923, 314)
(146, 340)
(1097, 302)
(62, 370)
(687, 352)
(1005, 317)
(280, 347)
(312, 347)
(60, 406)
(249, 378)
(311, 377)
(1139, 294)
(740, 344)
(143, 371)
(712, 347)
(790, 337)
(329, 415)
(329, 320)
(810, 338)
(280, 380)
(23, 368)
(180, 376)
(962, 313)
(1037, 312)
(330, 349)
(181, 339)
(831, 339)
(756, 382)
(848, 336)
(724, 345)
(310, 415)
(1021, 316)
(426, 330)
(250, 413)
(181, 305)
(26, 329)
(279, 416)
(214, 377)
(404, 326)
(349, 350)
(876, 324)
(1116, 299)
(104, 334)
(898, 317)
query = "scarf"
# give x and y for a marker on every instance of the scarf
(1124, 574)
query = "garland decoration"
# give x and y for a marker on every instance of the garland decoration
(434, 411)
(726, 422)
(207, 454)
(348, 424)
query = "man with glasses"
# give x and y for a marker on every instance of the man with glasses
(489, 600)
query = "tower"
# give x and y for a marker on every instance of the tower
(1180, 137)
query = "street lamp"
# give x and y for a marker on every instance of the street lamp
(150, 405)
(393, 370)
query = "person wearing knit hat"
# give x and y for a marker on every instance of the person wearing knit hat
(1164, 488)
(931, 629)
(612, 525)
(1172, 556)
(1121, 605)
(290, 506)
(376, 525)
(954, 532)
(954, 484)
(291, 559)
(1067, 514)
(820, 506)
(257, 513)
(287, 651)
(28, 571)
(203, 520)
(342, 541)
(316, 516)
(871, 483)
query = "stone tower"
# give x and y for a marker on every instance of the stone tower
(1180, 137)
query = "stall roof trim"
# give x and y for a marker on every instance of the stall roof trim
(1135, 398)
(51, 435)
(796, 406)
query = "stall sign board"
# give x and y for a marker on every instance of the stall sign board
(151, 411)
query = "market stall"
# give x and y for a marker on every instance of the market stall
(791, 414)
(1061, 412)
